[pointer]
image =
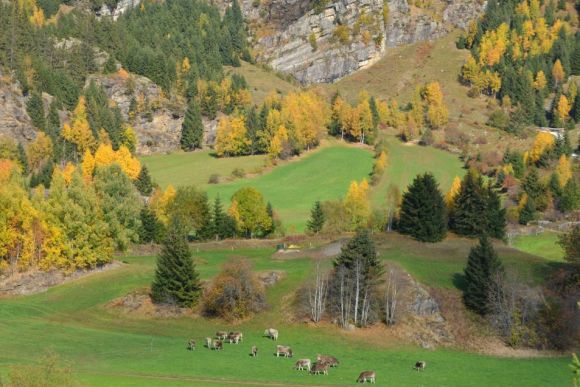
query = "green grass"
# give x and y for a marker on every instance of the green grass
(195, 168)
(108, 347)
(543, 245)
(407, 161)
(294, 187)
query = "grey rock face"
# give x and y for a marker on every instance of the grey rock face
(122, 7)
(290, 47)
(14, 120)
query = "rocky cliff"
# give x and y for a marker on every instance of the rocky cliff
(14, 120)
(326, 43)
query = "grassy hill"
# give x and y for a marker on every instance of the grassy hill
(543, 245)
(107, 346)
(403, 68)
(293, 187)
(408, 160)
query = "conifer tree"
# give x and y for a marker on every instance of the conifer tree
(528, 211)
(176, 279)
(151, 228)
(35, 109)
(532, 185)
(423, 214)
(469, 207)
(143, 183)
(22, 159)
(192, 128)
(575, 114)
(482, 265)
(317, 219)
(223, 226)
(495, 214)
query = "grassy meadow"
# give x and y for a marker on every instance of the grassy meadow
(543, 245)
(108, 346)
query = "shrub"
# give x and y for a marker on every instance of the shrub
(239, 173)
(312, 41)
(342, 33)
(235, 293)
(499, 119)
(214, 179)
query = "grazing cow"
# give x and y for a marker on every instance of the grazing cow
(420, 365)
(367, 375)
(303, 364)
(218, 344)
(254, 352)
(271, 333)
(208, 342)
(191, 345)
(330, 361)
(319, 368)
(221, 335)
(282, 350)
(235, 337)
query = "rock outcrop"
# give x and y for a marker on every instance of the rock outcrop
(122, 7)
(14, 120)
(323, 45)
(158, 120)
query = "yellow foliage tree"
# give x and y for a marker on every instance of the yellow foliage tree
(540, 82)
(356, 204)
(68, 172)
(79, 133)
(564, 170)
(39, 151)
(453, 192)
(129, 164)
(88, 165)
(231, 137)
(542, 142)
(558, 72)
(563, 108)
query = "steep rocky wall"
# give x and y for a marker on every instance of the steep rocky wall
(14, 120)
(310, 47)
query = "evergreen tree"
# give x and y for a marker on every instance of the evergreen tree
(469, 207)
(223, 226)
(575, 113)
(143, 183)
(176, 279)
(532, 186)
(110, 65)
(575, 56)
(44, 176)
(495, 214)
(374, 112)
(192, 128)
(317, 219)
(570, 197)
(482, 265)
(35, 109)
(423, 213)
(151, 227)
(528, 212)
(22, 159)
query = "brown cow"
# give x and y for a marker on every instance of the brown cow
(217, 345)
(221, 335)
(283, 350)
(303, 364)
(319, 368)
(191, 345)
(420, 365)
(367, 375)
(330, 361)
(254, 352)
(235, 337)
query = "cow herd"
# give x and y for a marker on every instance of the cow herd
(320, 367)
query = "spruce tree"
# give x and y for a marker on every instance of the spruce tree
(143, 183)
(374, 112)
(528, 212)
(360, 248)
(470, 206)
(151, 227)
(575, 114)
(23, 159)
(495, 214)
(223, 226)
(532, 185)
(482, 265)
(192, 128)
(176, 279)
(317, 218)
(423, 212)
(35, 109)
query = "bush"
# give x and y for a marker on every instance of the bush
(499, 119)
(239, 173)
(235, 293)
(214, 179)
